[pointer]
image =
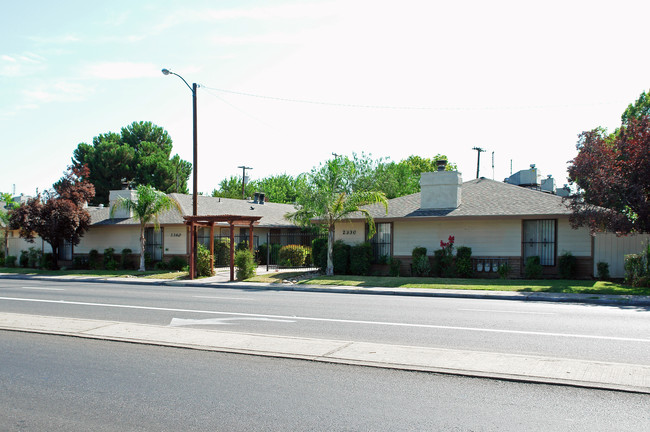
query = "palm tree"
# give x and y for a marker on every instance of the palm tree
(146, 208)
(326, 195)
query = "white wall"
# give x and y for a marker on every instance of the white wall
(175, 239)
(350, 232)
(576, 241)
(486, 237)
(612, 250)
(116, 236)
(16, 244)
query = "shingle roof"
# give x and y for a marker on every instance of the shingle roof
(479, 198)
(272, 213)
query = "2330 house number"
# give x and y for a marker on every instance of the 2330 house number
(349, 232)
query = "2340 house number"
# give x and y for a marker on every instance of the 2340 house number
(349, 232)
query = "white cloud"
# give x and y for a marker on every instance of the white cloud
(16, 65)
(121, 70)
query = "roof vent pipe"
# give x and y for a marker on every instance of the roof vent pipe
(261, 198)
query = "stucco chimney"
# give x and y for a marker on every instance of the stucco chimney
(440, 190)
(115, 195)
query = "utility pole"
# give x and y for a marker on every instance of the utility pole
(492, 165)
(243, 180)
(478, 162)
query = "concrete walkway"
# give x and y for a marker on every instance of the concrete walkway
(525, 368)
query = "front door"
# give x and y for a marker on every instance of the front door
(154, 243)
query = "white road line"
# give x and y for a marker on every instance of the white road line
(41, 288)
(507, 311)
(297, 318)
(224, 298)
(177, 322)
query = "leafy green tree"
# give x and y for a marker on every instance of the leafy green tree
(7, 204)
(139, 154)
(403, 178)
(638, 109)
(59, 216)
(146, 208)
(326, 194)
(281, 188)
(231, 188)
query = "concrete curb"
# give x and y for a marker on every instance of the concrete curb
(599, 299)
(512, 367)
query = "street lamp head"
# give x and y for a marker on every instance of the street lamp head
(166, 71)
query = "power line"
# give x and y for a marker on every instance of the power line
(405, 108)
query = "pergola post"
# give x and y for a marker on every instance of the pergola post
(192, 250)
(212, 246)
(232, 251)
(251, 247)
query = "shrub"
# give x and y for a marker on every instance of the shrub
(636, 269)
(148, 261)
(438, 257)
(33, 257)
(177, 263)
(394, 265)
(567, 264)
(109, 259)
(126, 262)
(93, 260)
(203, 261)
(533, 269)
(293, 255)
(245, 264)
(341, 257)
(24, 258)
(161, 265)
(80, 262)
(2, 259)
(445, 258)
(418, 251)
(10, 261)
(360, 258)
(262, 252)
(222, 251)
(603, 270)
(47, 261)
(464, 261)
(504, 270)
(421, 266)
(319, 252)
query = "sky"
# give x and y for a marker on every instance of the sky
(284, 83)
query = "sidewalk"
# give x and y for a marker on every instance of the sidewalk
(523, 368)
(221, 280)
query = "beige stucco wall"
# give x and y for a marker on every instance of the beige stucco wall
(576, 241)
(350, 232)
(117, 237)
(485, 237)
(16, 244)
(175, 240)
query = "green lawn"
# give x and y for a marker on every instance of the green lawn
(150, 274)
(520, 285)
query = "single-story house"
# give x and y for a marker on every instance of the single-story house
(122, 231)
(501, 222)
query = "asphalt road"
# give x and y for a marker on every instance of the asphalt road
(65, 384)
(590, 332)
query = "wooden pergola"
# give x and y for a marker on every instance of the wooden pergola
(210, 221)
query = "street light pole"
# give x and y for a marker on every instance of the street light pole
(194, 159)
